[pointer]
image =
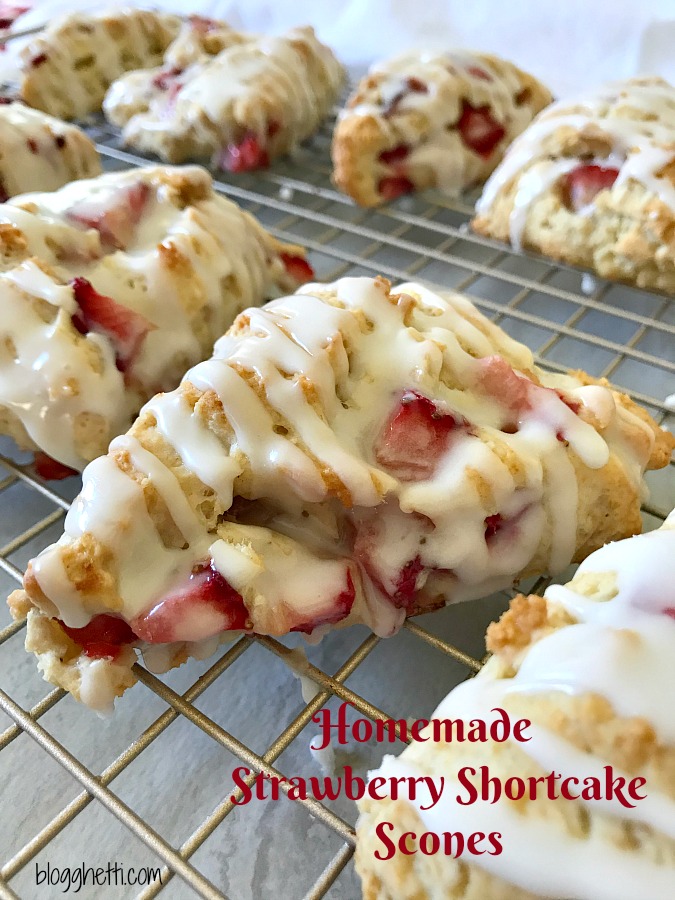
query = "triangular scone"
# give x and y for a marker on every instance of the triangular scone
(68, 67)
(351, 453)
(591, 665)
(110, 289)
(592, 182)
(41, 153)
(253, 101)
(428, 119)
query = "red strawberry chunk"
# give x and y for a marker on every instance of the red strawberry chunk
(499, 380)
(204, 606)
(480, 131)
(166, 79)
(203, 24)
(247, 155)
(415, 437)
(393, 187)
(297, 267)
(394, 156)
(115, 223)
(582, 185)
(669, 611)
(51, 469)
(10, 13)
(125, 328)
(38, 60)
(492, 525)
(406, 585)
(342, 606)
(410, 86)
(103, 637)
(477, 72)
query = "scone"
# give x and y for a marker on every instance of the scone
(41, 153)
(592, 182)
(255, 100)
(591, 665)
(110, 288)
(66, 69)
(352, 453)
(431, 120)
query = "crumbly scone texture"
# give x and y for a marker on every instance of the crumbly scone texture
(40, 153)
(111, 288)
(433, 120)
(262, 462)
(592, 183)
(253, 100)
(66, 70)
(586, 721)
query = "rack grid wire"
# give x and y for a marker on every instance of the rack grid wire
(617, 332)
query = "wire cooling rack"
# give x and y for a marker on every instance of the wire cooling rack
(154, 786)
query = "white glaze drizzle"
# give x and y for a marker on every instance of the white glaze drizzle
(621, 649)
(638, 117)
(449, 78)
(307, 351)
(54, 375)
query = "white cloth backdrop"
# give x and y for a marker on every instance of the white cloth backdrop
(568, 43)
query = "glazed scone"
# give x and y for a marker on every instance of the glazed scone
(431, 120)
(591, 665)
(66, 69)
(592, 183)
(110, 288)
(251, 102)
(41, 153)
(351, 453)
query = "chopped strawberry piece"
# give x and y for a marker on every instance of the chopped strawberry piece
(203, 24)
(204, 606)
(4, 196)
(669, 611)
(499, 380)
(38, 60)
(574, 405)
(480, 131)
(10, 13)
(273, 128)
(51, 469)
(394, 156)
(582, 185)
(411, 86)
(297, 267)
(477, 72)
(245, 156)
(342, 606)
(415, 437)
(165, 79)
(115, 223)
(391, 188)
(5, 101)
(125, 328)
(492, 525)
(406, 585)
(103, 637)
(32, 145)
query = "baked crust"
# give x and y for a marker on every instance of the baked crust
(267, 491)
(240, 102)
(66, 70)
(116, 285)
(585, 721)
(590, 184)
(414, 105)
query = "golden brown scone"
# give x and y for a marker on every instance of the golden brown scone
(431, 120)
(41, 153)
(67, 68)
(592, 182)
(256, 99)
(352, 453)
(591, 667)
(110, 289)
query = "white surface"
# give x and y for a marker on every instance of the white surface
(569, 44)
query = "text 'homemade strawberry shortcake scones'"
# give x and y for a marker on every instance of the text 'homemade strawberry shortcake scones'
(254, 100)
(67, 68)
(431, 120)
(110, 288)
(351, 453)
(592, 182)
(41, 153)
(587, 791)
